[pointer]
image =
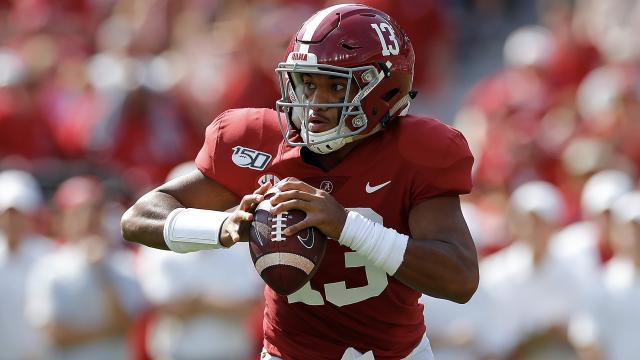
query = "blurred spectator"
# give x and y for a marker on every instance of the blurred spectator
(574, 54)
(262, 45)
(200, 317)
(72, 107)
(612, 26)
(582, 158)
(612, 325)
(150, 136)
(588, 243)
(524, 275)
(511, 104)
(602, 97)
(20, 247)
(203, 301)
(122, 123)
(431, 31)
(477, 329)
(609, 101)
(88, 271)
(526, 110)
(23, 130)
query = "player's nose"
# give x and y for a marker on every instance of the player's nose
(320, 98)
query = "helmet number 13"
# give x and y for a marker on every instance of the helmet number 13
(387, 49)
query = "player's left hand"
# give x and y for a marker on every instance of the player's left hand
(236, 227)
(322, 209)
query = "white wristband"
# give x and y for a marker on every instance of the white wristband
(187, 229)
(383, 246)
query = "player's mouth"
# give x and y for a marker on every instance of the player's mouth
(317, 123)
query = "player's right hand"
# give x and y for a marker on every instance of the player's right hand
(236, 226)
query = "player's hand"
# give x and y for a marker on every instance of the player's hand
(323, 211)
(236, 226)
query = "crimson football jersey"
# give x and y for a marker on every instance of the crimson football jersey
(349, 302)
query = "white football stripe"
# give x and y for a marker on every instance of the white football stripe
(313, 24)
(294, 260)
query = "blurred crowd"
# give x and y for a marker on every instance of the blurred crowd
(101, 100)
(555, 210)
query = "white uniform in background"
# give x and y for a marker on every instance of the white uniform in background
(64, 288)
(226, 274)
(18, 338)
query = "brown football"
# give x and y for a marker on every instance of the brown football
(285, 263)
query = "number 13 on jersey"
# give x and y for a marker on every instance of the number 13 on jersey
(337, 293)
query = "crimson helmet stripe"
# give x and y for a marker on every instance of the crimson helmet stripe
(313, 24)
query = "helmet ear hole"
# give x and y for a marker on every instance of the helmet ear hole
(390, 94)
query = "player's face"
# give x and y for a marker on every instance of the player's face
(325, 89)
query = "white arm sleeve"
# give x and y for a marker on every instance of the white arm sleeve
(187, 229)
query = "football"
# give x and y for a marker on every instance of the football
(285, 263)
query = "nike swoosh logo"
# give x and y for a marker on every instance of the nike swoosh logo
(370, 189)
(308, 240)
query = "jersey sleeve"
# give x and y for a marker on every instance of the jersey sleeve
(234, 137)
(205, 160)
(441, 162)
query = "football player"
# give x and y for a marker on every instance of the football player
(382, 184)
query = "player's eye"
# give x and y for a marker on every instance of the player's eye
(309, 86)
(338, 87)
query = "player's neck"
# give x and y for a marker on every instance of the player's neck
(328, 161)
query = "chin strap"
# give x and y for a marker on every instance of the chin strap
(405, 102)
